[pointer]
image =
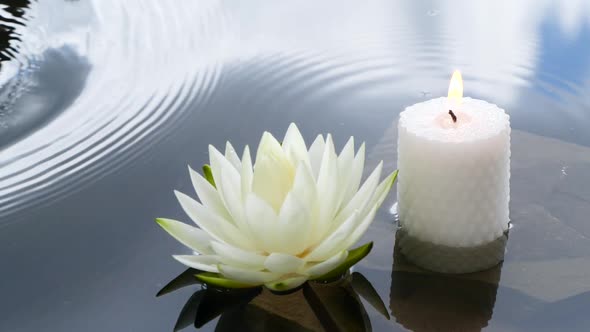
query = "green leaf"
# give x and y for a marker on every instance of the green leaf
(217, 303)
(365, 289)
(184, 279)
(216, 280)
(208, 174)
(189, 311)
(354, 256)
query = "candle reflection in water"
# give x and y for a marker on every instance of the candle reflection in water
(448, 259)
(427, 301)
(315, 306)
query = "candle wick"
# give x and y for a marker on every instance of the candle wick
(453, 116)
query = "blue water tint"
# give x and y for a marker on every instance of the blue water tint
(564, 61)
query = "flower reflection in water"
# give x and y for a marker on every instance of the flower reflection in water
(315, 306)
(427, 301)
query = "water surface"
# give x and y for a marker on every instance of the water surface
(104, 103)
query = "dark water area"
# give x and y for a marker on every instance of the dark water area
(103, 104)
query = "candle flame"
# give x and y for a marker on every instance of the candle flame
(456, 88)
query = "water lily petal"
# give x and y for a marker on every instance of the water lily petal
(217, 161)
(208, 194)
(230, 255)
(321, 268)
(367, 216)
(220, 164)
(209, 222)
(200, 262)
(270, 147)
(232, 156)
(286, 284)
(304, 187)
(231, 188)
(228, 183)
(283, 263)
(356, 174)
(273, 172)
(263, 222)
(360, 230)
(246, 275)
(294, 146)
(345, 163)
(327, 186)
(212, 223)
(316, 151)
(354, 256)
(380, 193)
(267, 182)
(190, 236)
(362, 198)
(334, 242)
(246, 173)
(294, 225)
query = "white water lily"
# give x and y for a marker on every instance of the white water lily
(290, 217)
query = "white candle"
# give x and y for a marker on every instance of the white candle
(453, 187)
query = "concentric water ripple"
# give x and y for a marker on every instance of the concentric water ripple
(93, 84)
(143, 71)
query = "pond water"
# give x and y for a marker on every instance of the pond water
(104, 103)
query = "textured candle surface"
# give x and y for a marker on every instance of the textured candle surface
(454, 183)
